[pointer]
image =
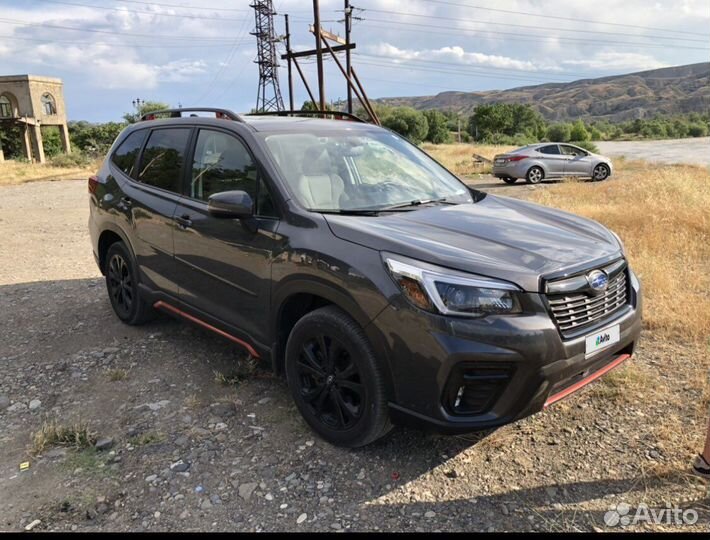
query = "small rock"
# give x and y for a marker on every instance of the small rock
(104, 443)
(16, 407)
(245, 490)
(337, 526)
(269, 497)
(429, 514)
(301, 518)
(32, 525)
(151, 478)
(35, 404)
(179, 466)
(4, 402)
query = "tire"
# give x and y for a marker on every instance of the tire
(510, 180)
(601, 172)
(122, 286)
(341, 395)
(535, 175)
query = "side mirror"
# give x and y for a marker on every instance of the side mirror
(231, 205)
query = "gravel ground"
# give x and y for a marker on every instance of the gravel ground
(689, 151)
(184, 451)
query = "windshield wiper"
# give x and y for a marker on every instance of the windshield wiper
(412, 203)
(353, 212)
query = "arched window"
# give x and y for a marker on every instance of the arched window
(5, 107)
(49, 107)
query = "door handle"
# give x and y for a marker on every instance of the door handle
(183, 221)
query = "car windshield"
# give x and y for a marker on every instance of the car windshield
(361, 171)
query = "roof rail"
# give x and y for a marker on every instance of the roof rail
(178, 113)
(341, 114)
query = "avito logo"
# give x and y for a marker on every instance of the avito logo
(603, 338)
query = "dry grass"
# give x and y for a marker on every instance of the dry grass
(17, 172)
(76, 435)
(459, 157)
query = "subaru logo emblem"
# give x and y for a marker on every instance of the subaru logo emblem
(598, 280)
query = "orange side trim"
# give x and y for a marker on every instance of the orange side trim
(584, 382)
(163, 305)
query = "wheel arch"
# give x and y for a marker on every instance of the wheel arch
(303, 295)
(109, 236)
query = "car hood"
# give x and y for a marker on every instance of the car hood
(497, 237)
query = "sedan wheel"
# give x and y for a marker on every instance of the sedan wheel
(601, 172)
(535, 175)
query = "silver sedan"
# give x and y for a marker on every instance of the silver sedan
(536, 162)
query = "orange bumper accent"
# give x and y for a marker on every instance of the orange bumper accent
(162, 305)
(584, 382)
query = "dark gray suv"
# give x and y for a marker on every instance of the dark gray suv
(385, 289)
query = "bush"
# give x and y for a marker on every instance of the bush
(698, 130)
(559, 132)
(51, 141)
(587, 145)
(579, 132)
(71, 161)
(407, 122)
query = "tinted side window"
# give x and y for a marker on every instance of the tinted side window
(221, 163)
(552, 149)
(162, 160)
(572, 151)
(125, 155)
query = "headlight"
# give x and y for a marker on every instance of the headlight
(453, 293)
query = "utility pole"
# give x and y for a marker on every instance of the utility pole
(319, 56)
(268, 97)
(348, 27)
(290, 75)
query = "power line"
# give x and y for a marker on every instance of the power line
(17, 22)
(573, 19)
(536, 27)
(114, 43)
(154, 13)
(539, 38)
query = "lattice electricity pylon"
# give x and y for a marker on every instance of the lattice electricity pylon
(268, 97)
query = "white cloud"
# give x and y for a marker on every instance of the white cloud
(617, 61)
(455, 54)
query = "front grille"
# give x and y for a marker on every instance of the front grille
(581, 309)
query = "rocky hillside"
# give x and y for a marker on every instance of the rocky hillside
(672, 90)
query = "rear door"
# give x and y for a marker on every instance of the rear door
(225, 264)
(553, 159)
(151, 200)
(578, 162)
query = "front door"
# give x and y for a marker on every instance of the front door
(151, 199)
(578, 161)
(225, 264)
(554, 160)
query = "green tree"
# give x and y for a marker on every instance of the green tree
(94, 139)
(407, 122)
(513, 120)
(145, 108)
(438, 132)
(579, 132)
(559, 132)
(51, 141)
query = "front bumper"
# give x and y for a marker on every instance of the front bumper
(521, 362)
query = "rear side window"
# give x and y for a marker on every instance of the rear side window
(127, 152)
(551, 149)
(163, 157)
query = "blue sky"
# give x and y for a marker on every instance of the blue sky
(200, 52)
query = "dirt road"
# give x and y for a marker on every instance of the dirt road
(691, 151)
(186, 452)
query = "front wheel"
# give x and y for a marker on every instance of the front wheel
(509, 180)
(600, 172)
(535, 175)
(335, 379)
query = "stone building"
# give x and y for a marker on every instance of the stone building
(31, 102)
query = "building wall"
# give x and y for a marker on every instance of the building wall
(28, 91)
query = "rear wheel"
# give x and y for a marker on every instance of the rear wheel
(122, 286)
(600, 172)
(335, 380)
(509, 180)
(535, 175)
